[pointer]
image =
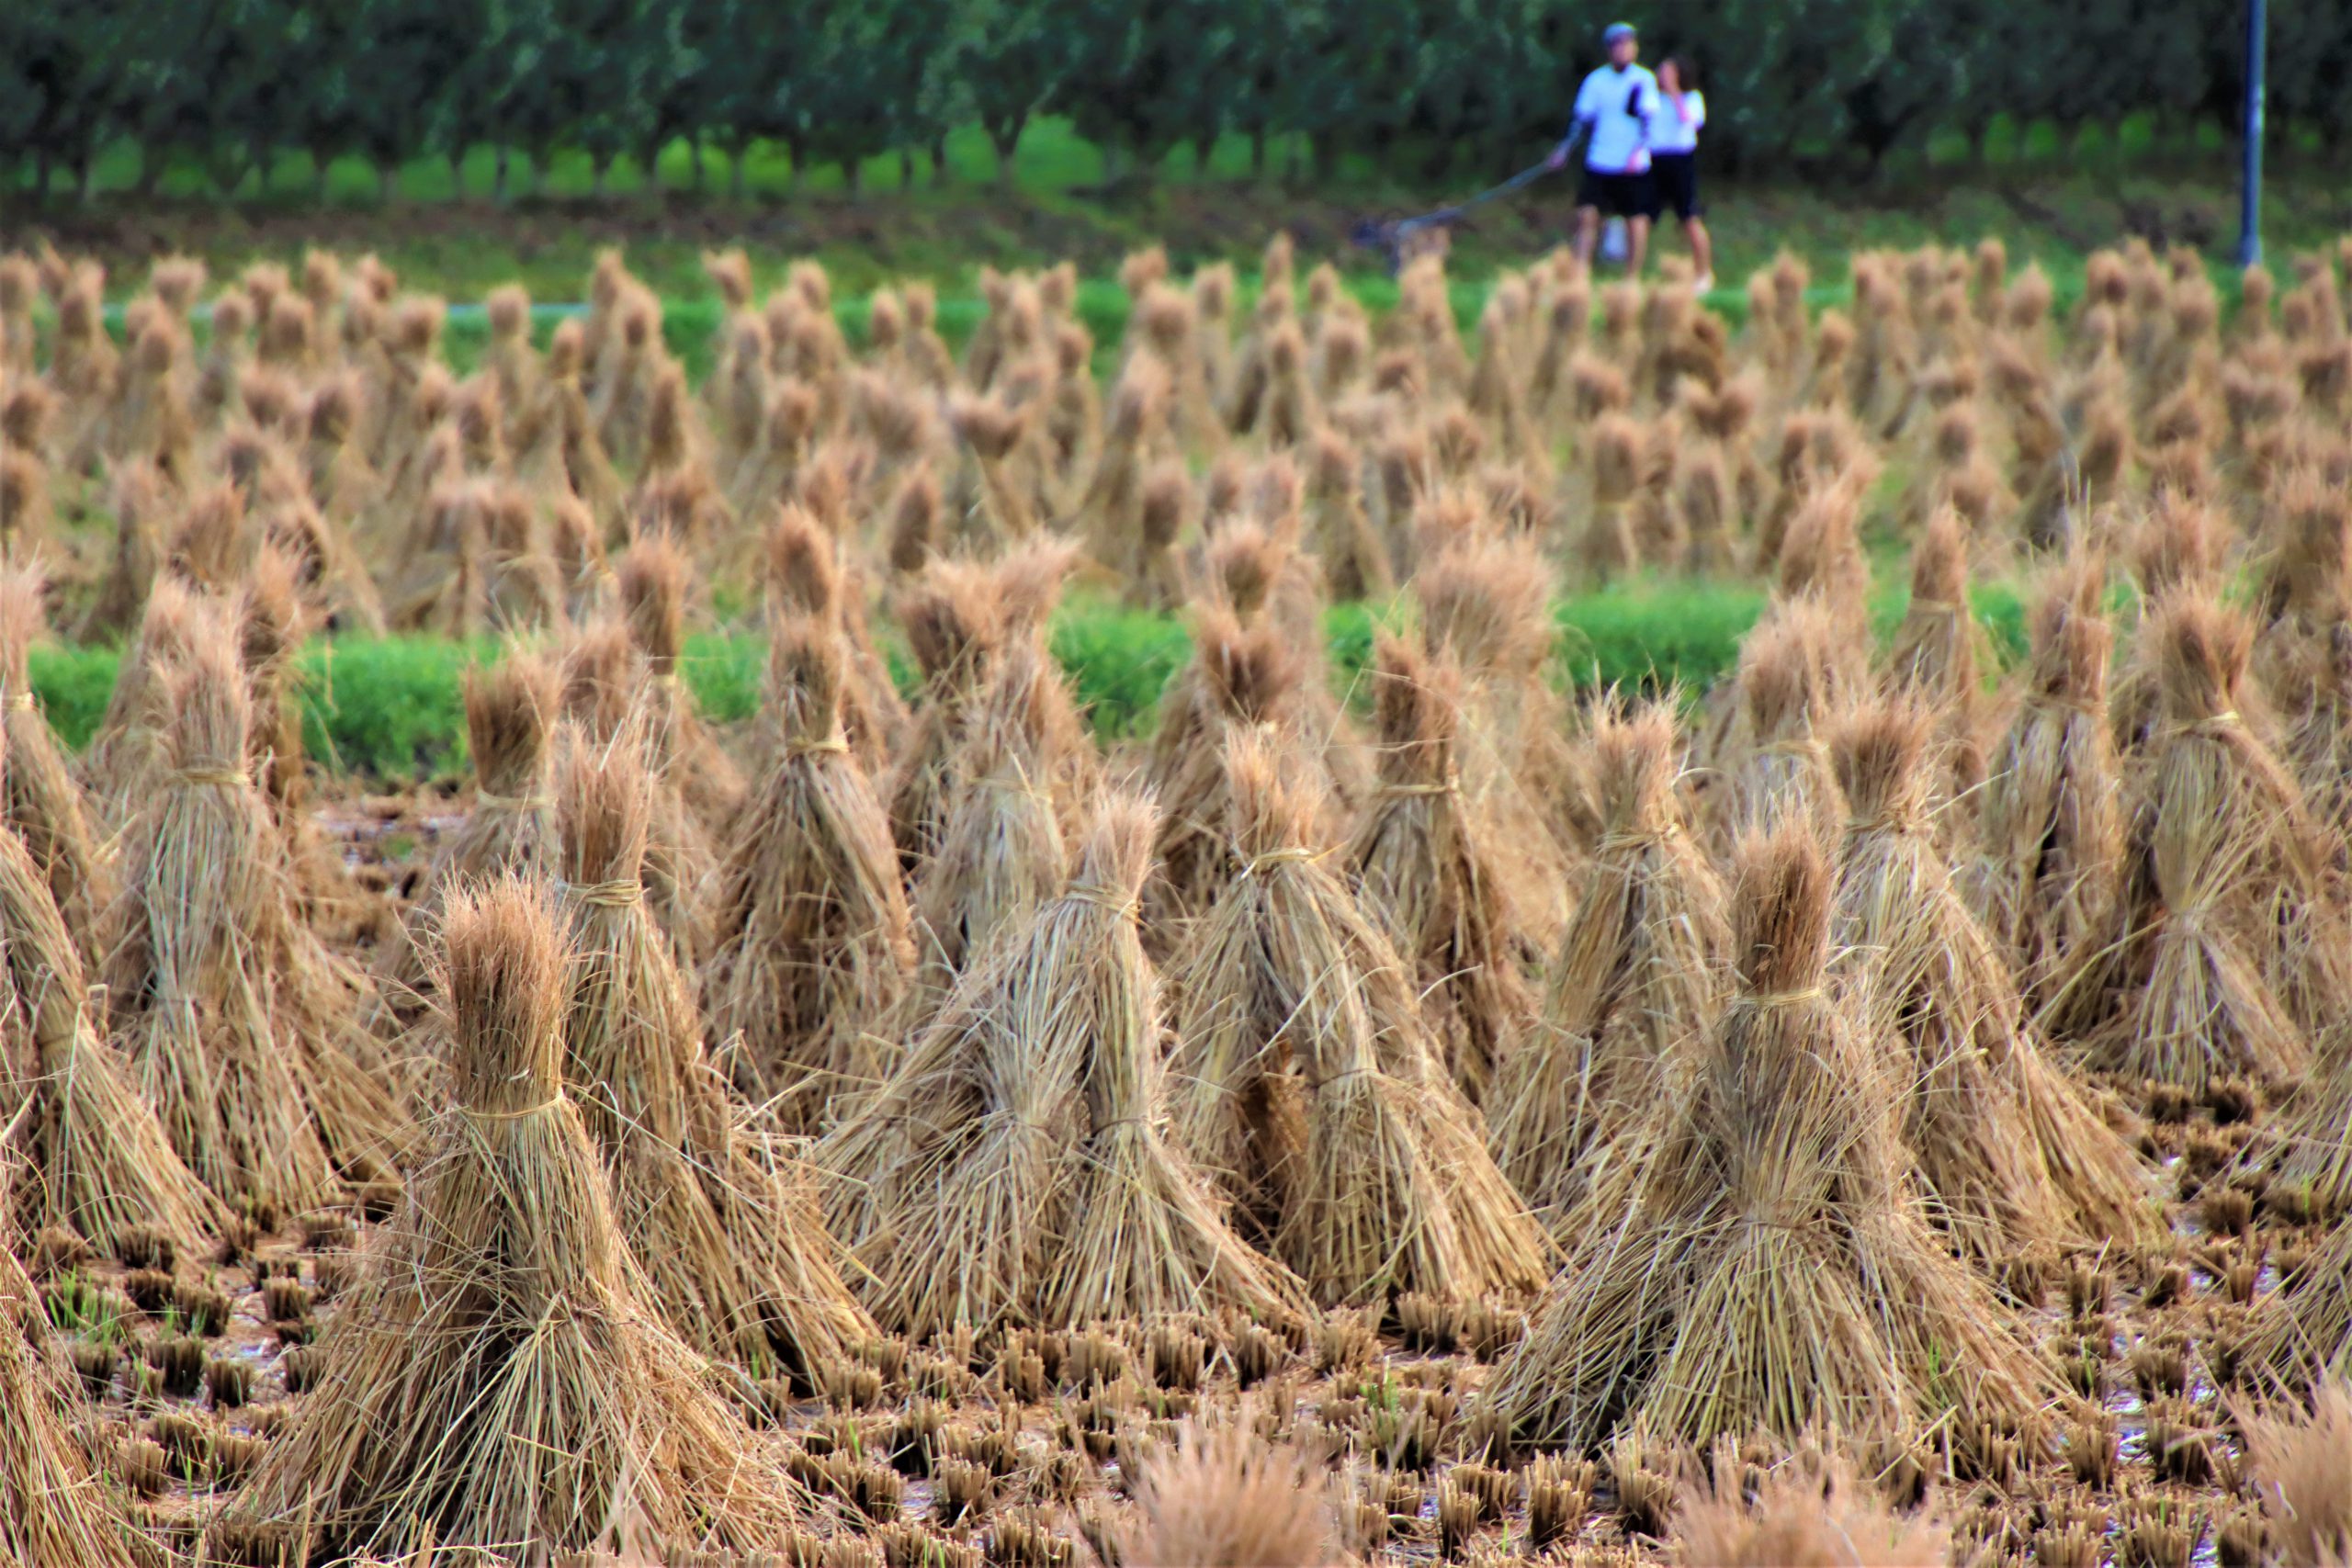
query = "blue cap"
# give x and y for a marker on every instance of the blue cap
(1615, 30)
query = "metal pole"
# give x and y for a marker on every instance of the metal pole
(2250, 193)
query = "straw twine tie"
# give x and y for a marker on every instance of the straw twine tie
(1295, 854)
(536, 801)
(1118, 900)
(232, 778)
(2213, 724)
(549, 1103)
(1637, 838)
(619, 894)
(1408, 791)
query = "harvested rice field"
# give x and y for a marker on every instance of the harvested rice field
(1189, 1015)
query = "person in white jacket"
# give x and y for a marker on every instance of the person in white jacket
(1613, 111)
(1675, 121)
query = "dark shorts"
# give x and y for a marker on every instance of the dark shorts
(1674, 180)
(1618, 196)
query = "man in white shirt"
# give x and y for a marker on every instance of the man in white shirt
(1613, 109)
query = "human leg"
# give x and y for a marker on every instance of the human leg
(1703, 247)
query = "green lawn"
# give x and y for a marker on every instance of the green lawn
(389, 710)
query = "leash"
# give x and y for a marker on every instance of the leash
(1390, 236)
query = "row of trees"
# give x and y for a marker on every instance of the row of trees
(232, 84)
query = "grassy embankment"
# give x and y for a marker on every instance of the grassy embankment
(389, 710)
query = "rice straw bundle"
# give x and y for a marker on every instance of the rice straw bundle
(122, 758)
(191, 968)
(2178, 546)
(1486, 606)
(45, 804)
(736, 1255)
(1355, 560)
(653, 578)
(1812, 1510)
(1432, 874)
(2303, 1333)
(1309, 1084)
(1225, 1497)
(271, 625)
(1001, 855)
(1247, 582)
(2011, 1157)
(1940, 656)
(607, 685)
(1111, 512)
(807, 576)
(954, 628)
(1242, 679)
(511, 709)
(1013, 1167)
(2046, 877)
(1638, 981)
(28, 520)
(2305, 652)
(1821, 555)
(56, 1511)
(100, 1164)
(813, 944)
(497, 1381)
(1795, 666)
(1773, 1271)
(2233, 955)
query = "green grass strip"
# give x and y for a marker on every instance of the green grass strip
(390, 710)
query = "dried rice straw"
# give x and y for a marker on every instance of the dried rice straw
(1773, 1271)
(813, 942)
(496, 1380)
(1013, 1167)
(737, 1255)
(1638, 982)
(1429, 869)
(1307, 1081)
(2011, 1155)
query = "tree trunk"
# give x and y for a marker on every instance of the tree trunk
(319, 161)
(939, 159)
(388, 182)
(458, 173)
(1323, 148)
(1258, 152)
(1004, 140)
(906, 168)
(735, 156)
(85, 185)
(600, 165)
(853, 174)
(498, 175)
(150, 168)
